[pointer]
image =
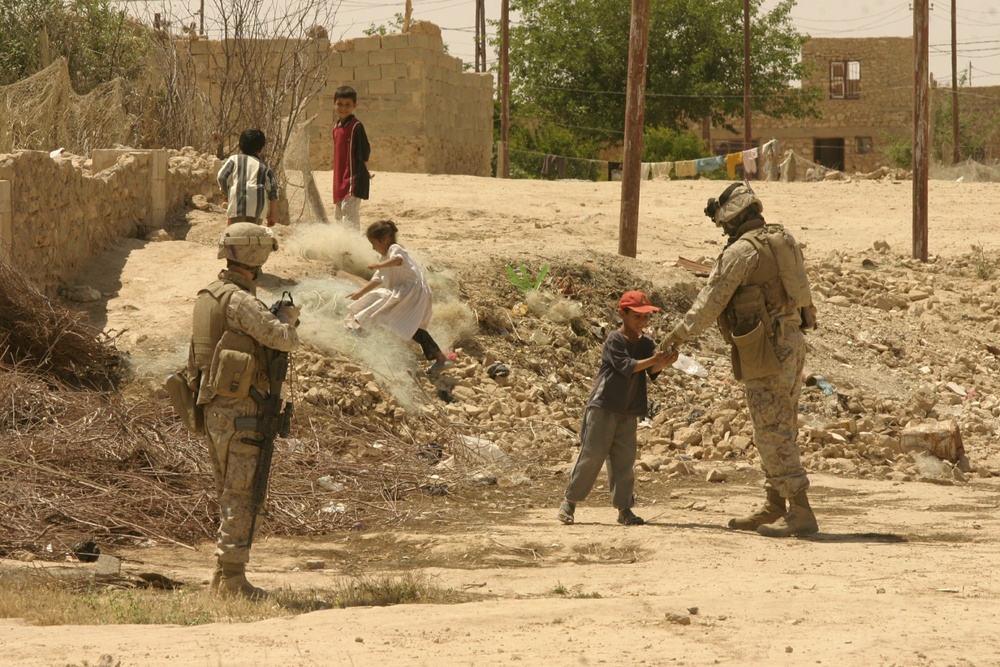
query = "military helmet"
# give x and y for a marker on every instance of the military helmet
(734, 200)
(247, 243)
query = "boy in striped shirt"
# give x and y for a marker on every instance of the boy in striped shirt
(247, 183)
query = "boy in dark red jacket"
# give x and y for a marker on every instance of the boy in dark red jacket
(351, 150)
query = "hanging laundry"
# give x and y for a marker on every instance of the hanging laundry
(732, 160)
(661, 170)
(750, 161)
(685, 169)
(706, 164)
(612, 168)
(644, 170)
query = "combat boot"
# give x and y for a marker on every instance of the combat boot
(772, 510)
(233, 583)
(799, 520)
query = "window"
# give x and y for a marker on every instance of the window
(862, 145)
(845, 79)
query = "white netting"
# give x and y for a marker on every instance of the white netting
(304, 199)
(43, 112)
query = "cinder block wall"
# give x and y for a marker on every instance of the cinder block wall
(422, 112)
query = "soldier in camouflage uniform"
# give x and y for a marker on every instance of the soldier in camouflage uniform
(231, 330)
(758, 293)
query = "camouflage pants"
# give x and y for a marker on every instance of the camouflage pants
(774, 405)
(234, 464)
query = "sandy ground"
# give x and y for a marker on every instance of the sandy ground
(901, 574)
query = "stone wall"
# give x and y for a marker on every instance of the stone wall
(422, 112)
(57, 212)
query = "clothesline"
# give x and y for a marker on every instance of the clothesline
(748, 159)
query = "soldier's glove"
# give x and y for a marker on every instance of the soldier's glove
(288, 314)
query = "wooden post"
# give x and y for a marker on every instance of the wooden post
(747, 130)
(635, 115)
(921, 128)
(480, 35)
(503, 153)
(955, 153)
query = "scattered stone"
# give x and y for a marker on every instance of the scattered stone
(942, 439)
(716, 476)
(679, 619)
(315, 564)
(82, 294)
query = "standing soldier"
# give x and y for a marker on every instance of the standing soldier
(759, 294)
(240, 348)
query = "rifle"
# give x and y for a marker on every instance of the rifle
(275, 420)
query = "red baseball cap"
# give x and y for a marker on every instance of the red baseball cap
(637, 301)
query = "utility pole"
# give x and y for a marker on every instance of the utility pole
(635, 116)
(503, 151)
(747, 130)
(955, 154)
(201, 19)
(480, 35)
(921, 128)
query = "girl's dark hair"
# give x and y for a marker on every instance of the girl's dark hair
(381, 229)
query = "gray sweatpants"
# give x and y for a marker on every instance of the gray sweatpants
(607, 437)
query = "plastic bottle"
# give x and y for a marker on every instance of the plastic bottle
(690, 366)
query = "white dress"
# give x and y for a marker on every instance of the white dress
(402, 304)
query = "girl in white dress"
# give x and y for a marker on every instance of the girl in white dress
(397, 297)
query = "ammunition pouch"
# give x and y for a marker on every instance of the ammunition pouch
(751, 334)
(183, 391)
(233, 366)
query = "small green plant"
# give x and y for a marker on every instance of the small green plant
(560, 589)
(984, 267)
(521, 278)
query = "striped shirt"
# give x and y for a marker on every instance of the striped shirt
(250, 184)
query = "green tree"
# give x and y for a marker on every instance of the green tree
(97, 39)
(569, 60)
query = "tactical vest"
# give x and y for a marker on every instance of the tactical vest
(210, 322)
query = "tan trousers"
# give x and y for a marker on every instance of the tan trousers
(773, 402)
(348, 212)
(234, 464)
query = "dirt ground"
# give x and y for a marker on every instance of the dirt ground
(903, 573)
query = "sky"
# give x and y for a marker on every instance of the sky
(978, 25)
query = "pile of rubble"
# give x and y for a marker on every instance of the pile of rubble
(900, 384)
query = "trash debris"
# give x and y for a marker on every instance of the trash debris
(497, 369)
(688, 365)
(327, 483)
(824, 386)
(480, 450)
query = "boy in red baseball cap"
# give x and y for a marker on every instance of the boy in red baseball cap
(613, 410)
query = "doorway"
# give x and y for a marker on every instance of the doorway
(829, 153)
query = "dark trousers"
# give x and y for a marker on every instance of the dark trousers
(427, 344)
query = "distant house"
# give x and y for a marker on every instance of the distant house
(866, 107)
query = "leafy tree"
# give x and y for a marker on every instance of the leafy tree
(569, 60)
(664, 145)
(97, 39)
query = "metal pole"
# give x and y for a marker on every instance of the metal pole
(921, 128)
(955, 154)
(635, 115)
(503, 153)
(201, 18)
(747, 131)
